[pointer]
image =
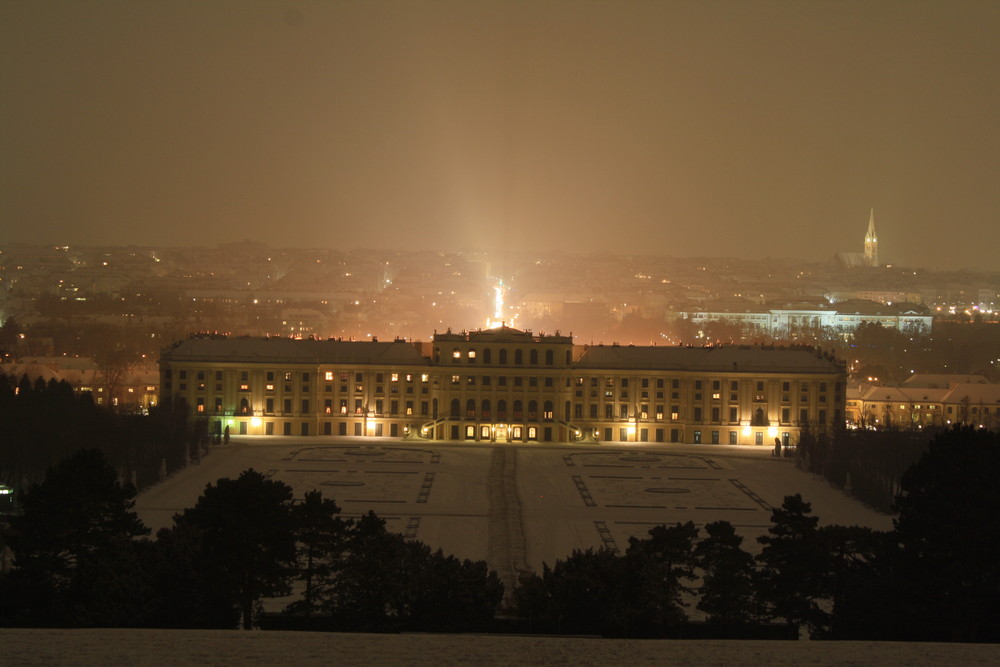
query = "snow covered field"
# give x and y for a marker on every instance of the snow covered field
(520, 506)
(234, 647)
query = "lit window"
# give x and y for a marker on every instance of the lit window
(424, 377)
(472, 354)
(269, 387)
(244, 387)
(329, 376)
(395, 377)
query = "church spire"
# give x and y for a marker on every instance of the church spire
(871, 242)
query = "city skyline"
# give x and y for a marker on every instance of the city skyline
(754, 130)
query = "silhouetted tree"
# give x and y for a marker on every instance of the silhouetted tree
(948, 530)
(859, 582)
(792, 565)
(78, 516)
(247, 536)
(667, 562)
(188, 592)
(320, 536)
(727, 593)
(590, 592)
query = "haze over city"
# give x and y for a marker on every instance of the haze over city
(758, 129)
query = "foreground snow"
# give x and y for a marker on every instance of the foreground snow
(229, 647)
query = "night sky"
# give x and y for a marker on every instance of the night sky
(750, 128)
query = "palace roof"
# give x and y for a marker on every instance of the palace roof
(744, 358)
(290, 350)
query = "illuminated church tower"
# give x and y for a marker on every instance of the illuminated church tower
(871, 242)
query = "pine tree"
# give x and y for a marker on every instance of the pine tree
(667, 562)
(792, 565)
(320, 536)
(248, 537)
(948, 530)
(727, 594)
(76, 517)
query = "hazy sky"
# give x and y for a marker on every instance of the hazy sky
(751, 128)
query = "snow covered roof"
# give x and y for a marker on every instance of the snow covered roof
(898, 394)
(988, 394)
(942, 379)
(975, 393)
(32, 370)
(722, 358)
(289, 350)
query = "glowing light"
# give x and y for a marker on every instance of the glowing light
(497, 320)
(772, 431)
(255, 422)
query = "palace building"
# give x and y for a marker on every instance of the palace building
(505, 385)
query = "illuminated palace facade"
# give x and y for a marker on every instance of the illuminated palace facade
(505, 385)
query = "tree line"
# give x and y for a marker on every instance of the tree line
(83, 559)
(867, 464)
(43, 422)
(934, 577)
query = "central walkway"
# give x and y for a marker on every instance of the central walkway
(506, 543)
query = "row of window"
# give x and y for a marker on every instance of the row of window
(395, 377)
(516, 433)
(471, 356)
(484, 410)
(305, 376)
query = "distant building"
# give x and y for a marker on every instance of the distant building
(131, 387)
(506, 385)
(926, 401)
(869, 257)
(785, 319)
